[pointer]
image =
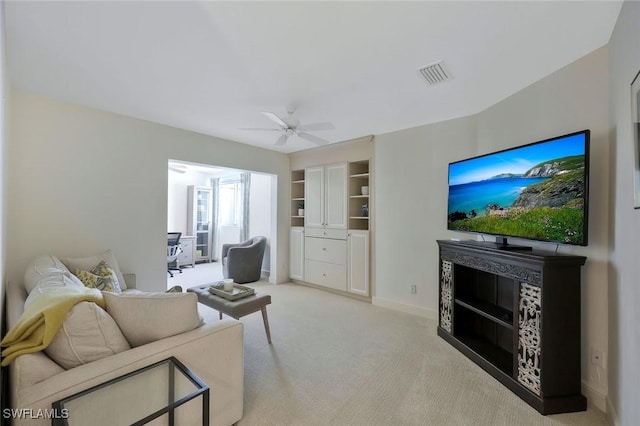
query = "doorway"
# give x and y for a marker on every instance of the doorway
(212, 205)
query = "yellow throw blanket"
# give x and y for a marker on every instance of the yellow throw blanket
(42, 319)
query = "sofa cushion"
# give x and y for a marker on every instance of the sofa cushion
(146, 317)
(47, 271)
(87, 334)
(44, 273)
(89, 262)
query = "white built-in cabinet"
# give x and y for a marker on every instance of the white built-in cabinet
(326, 196)
(296, 253)
(332, 249)
(325, 258)
(358, 262)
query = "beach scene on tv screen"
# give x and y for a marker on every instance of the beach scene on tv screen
(535, 191)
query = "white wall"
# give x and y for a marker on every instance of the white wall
(411, 209)
(84, 180)
(4, 92)
(351, 150)
(624, 262)
(411, 192)
(177, 197)
(571, 99)
(260, 212)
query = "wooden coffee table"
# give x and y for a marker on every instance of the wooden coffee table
(235, 308)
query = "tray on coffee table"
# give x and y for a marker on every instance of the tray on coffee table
(238, 292)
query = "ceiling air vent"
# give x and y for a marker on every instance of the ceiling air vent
(435, 73)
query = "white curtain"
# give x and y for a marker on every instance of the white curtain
(245, 188)
(232, 209)
(214, 219)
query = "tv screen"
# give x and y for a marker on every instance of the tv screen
(537, 191)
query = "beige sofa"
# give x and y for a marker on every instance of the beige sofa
(213, 351)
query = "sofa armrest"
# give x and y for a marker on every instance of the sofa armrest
(214, 352)
(129, 280)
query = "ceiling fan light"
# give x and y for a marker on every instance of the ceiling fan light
(178, 168)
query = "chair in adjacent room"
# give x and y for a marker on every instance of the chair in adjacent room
(243, 261)
(173, 250)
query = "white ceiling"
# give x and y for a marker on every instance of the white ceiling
(212, 67)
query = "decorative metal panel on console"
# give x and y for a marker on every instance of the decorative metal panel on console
(496, 267)
(529, 314)
(446, 295)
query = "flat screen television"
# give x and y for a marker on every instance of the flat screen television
(538, 191)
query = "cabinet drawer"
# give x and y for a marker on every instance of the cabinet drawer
(326, 274)
(186, 244)
(337, 234)
(325, 250)
(186, 256)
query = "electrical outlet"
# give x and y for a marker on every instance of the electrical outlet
(414, 290)
(597, 357)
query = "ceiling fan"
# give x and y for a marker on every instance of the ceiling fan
(177, 167)
(290, 126)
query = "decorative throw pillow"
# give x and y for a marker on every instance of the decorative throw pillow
(102, 269)
(46, 271)
(88, 263)
(92, 280)
(87, 334)
(146, 317)
(175, 289)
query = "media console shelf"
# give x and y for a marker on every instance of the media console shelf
(517, 315)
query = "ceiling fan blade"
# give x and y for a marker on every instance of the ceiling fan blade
(313, 139)
(316, 126)
(271, 116)
(259, 128)
(282, 139)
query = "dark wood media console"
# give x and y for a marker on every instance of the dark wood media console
(517, 315)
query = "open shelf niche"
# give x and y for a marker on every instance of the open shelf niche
(359, 178)
(297, 197)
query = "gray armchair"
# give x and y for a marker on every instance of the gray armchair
(243, 261)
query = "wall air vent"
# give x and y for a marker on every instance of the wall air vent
(435, 73)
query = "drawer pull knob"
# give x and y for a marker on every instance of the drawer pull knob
(324, 248)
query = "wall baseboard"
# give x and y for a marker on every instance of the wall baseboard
(612, 414)
(333, 290)
(596, 397)
(402, 307)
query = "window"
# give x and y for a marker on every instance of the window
(230, 203)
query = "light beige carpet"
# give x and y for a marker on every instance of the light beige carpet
(339, 361)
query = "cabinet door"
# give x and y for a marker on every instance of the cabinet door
(314, 197)
(336, 196)
(199, 220)
(203, 224)
(358, 261)
(296, 253)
